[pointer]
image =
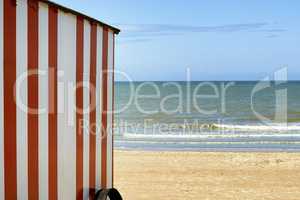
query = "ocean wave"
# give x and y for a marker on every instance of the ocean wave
(243, 127)
(234, 131)
(228, 142)
(205, 136)
(270, 127)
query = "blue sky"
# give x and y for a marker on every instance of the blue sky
(216, 39)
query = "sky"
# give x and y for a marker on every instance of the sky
(214, 39)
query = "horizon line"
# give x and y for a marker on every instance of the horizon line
(292, 80)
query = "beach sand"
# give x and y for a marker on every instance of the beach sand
(214, 176)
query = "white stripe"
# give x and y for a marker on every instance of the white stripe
(86, 103)
(1, 105)
(67, 131)
(99, 105)
(21, 97)
(43, 101)
(109, 104)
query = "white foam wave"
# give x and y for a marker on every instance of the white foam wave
(271, 127)
(203, 136)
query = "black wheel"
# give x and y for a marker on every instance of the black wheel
(112, 193)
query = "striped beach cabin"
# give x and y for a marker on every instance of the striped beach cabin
(56, 102)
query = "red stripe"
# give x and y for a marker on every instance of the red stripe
(33, 164)
(113, 108)
(9, 73)
(52, 120)
(104, 111)
(79, 106)
(92, 165)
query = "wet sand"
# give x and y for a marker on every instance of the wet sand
(145, 175)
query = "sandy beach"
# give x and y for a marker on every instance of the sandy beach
(210, 176)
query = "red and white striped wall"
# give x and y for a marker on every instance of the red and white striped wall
(56, 86)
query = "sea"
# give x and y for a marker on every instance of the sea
(259, 116)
